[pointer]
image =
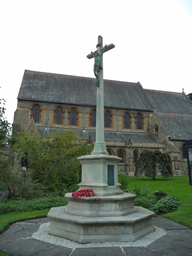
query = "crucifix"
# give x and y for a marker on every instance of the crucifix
(99, 147)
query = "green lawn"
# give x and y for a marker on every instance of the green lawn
(178, 186)
(4, 254)
(9, 218)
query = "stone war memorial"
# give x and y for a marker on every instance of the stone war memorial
(109, 215)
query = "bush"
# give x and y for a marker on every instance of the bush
(167, 204)
(148, 203)
(72, 188)
(21, 205)
(124, 181)
(159, 194)
(141, 191)
(52, 157)
(158, 203)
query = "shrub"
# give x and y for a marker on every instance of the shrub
(52, 157)
(159, 194)
(167, 204)
(21, 205)
(141, 191)
(72, 188)
(148, 203)
(159, 202)
(124, 181)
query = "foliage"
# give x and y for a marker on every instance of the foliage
(148, 203)
(164, 165)
(18, 182)
(141, 191)
(179, 186)
(149, 161)
(159, 194)
(157, 202)
(22, 205)
(4, 125)
(52, 158)
(167, 204)
(124, 181)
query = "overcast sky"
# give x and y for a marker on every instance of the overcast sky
(153, 41)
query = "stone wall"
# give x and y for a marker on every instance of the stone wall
(150, 123)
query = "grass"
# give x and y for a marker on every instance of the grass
(9, 218)
(4, 254)
(178, 186)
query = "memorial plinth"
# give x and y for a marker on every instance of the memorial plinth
(109, 215)
(99, 172)
(84, 229)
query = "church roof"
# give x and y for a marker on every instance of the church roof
(39, 86)
(179, 127)
(169, 102)
(175, 111)
(137, 138)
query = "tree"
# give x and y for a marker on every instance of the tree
(52, 158)
(148, 163)
(4, 125)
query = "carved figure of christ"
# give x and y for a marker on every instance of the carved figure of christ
(99, 147)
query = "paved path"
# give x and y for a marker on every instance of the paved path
(17, 241)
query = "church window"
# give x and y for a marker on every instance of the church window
(121, 155)
(58, 115)
(184, 151)
(109, 151)
(155, 130)
(107, 119)
(126, 121)
(139, 121)
(93, 118)
(135, 155)
(73, 116)
(36, 113)
(24, 164)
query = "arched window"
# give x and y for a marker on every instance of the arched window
(73, 116)
(121, 154)
(36, 113)
(109, 151)
(58, 115)
(184, 151)
(126, 121)
(139, 121)
(107, 119)
(155, 130)
(93, 118)
(135, 155)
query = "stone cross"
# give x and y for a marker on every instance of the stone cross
(99, 147)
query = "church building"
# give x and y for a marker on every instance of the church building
(135, 119)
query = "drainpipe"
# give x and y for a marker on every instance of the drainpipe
(47, 116)
(83, 117)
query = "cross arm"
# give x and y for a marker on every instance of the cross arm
(109, 47)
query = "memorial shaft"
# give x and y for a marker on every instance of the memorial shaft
(100, 147)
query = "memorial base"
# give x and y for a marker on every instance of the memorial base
(100, 219)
